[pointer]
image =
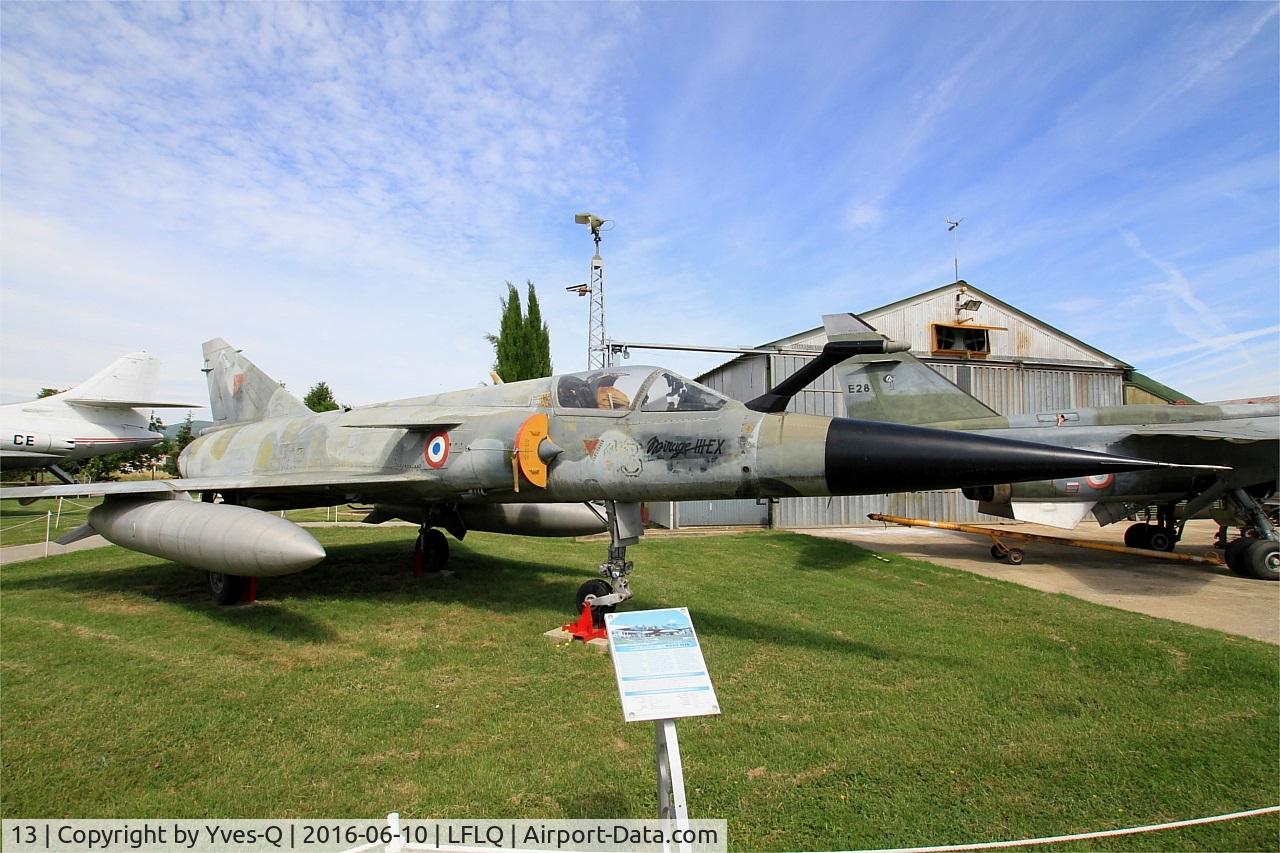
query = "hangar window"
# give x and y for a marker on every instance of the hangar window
(960, 340)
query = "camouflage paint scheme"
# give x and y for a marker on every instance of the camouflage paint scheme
(521, 457)
(620, 454)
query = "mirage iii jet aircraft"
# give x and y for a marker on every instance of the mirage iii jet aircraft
(523, 457)
(1237, 449)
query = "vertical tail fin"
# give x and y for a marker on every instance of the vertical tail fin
(129, 379)
(896, 387)
(239, 392)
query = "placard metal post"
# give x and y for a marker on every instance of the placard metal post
(662, 676)
(671, 801)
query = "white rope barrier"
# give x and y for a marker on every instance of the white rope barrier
(397, 845)
(1080, 836)
(38, 518)
(21, 524)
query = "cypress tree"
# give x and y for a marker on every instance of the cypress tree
(507, 343)
(539, 338)
(522, 347)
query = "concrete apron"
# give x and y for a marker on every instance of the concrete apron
(1202, 595)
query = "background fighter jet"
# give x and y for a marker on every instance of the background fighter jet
(521, 457)
(1244, 439)
(98, 416)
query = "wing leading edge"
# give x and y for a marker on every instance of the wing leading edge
(265, 483)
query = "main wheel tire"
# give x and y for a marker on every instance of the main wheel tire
(997, 552)
(1159, 539)
(1138, 536)
(227, 589)
(1015, 557)
(1262, 559)
(1234, 555)
(435, 550)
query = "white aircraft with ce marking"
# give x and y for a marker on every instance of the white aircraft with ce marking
(101, 415)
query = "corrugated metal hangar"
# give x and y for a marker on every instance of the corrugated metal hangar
(1013, 362)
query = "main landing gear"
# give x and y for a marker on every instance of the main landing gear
(1256, 553)
(232, 589)
(614, 586)
(1161, 536)
(430, 552)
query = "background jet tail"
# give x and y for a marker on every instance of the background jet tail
(239, 392)
(128, 382)
(896, 387)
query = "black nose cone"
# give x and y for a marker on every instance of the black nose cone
(869, 457)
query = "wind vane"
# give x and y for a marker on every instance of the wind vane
(952, 225)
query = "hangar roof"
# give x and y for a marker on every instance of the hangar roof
(1015, 334)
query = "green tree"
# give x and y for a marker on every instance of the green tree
(48, 392)
(146, 458)
(320, 398)
(538, 337)
(506, 344)
(110, 466)
(522, 347)
(99, 469)
(180, 442)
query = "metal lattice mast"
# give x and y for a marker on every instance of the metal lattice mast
(598, 354)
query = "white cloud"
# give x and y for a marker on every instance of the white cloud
(865, 214)
(321, 184)
(1204, 62)
(342, 190)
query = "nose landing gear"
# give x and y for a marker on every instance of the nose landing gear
(614, 586)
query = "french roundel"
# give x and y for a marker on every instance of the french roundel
(436, 451)
(1100, 481)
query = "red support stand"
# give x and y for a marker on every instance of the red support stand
(585, 628)
(417, 562)
(250, 592)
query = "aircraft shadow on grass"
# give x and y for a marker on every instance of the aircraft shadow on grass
(381, 571)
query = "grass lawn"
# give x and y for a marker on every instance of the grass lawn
(867, 703)
(23, 525)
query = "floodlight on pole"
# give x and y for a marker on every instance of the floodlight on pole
(598, 354)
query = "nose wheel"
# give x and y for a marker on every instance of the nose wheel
(591, 591)
(614, 585)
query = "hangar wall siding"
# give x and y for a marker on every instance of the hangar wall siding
(733, 513)
(853, 511)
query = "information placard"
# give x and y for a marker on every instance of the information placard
(659, 666)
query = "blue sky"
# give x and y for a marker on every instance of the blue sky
(342, 190)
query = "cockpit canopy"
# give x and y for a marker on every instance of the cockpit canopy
(618, 388)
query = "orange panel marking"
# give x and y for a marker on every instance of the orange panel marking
(530, 435)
